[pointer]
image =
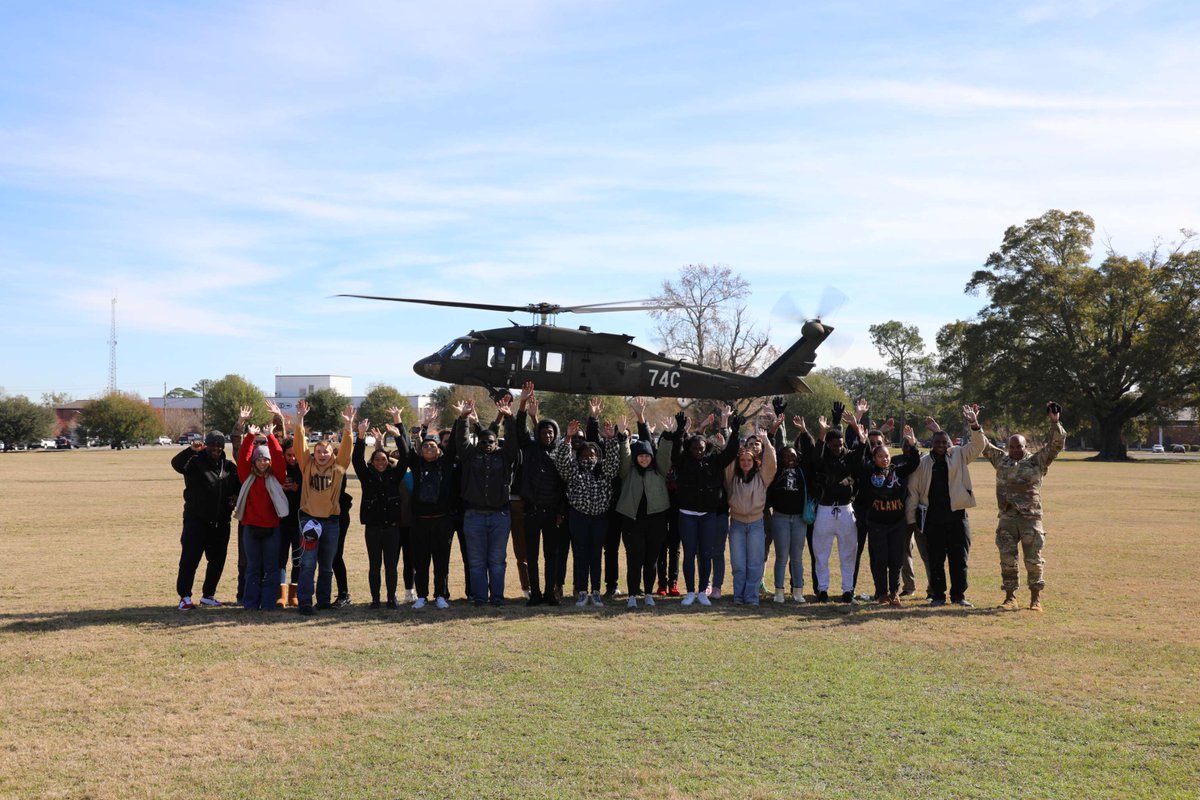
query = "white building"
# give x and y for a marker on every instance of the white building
(304, 385)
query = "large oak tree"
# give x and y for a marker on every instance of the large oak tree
(1111, 342)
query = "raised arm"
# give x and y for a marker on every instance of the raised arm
(300, 439)
(1057, 438)
(343, 454)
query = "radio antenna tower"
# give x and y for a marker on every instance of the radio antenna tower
(112, 349)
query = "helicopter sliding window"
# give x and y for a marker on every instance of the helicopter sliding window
(554, 362)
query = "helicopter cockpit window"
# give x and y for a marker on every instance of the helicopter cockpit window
(533, 361)
(554, 362)
(461, 351)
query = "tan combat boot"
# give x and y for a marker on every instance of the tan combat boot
(1035, 603)
(282, 601)
(293, 597)
(1010, 601)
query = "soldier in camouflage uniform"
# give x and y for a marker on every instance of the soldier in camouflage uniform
(1019, 476)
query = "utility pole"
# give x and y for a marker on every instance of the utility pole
(112, 349)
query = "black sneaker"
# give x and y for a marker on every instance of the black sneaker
(822, 597)
(936, 602)
(908, 592)
(341, 601)
(374, 604)
(549, 599)
(391, 603)
(306, 611)
(847, 597)
(535, 599)
(323, 606)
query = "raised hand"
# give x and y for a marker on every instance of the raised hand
(362, 427)
(681, 422)
(799, 422)
(301, 408)
(393, 430)
(527, 392)
(504, 408)
(887, 426)
(932, 425)
(607, 429)
(720, 439)
(909, 436)
(838, 409)
(970, 416)
(778, 405)
(397, 413)
(822, 424)
(709, 420)
(668, 424)
(348, 415)
(622, 423)
(253, 430)
(638, 404)
(862, 406)
(595, 403)
(572, 428)
(378, 436)
(244, 414)
(533, 407)
(461, 408)
(650, 426)
(273, 407)
(726, 412)
(848, 418)
(1054, 410)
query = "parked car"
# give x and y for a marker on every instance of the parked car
(1158, 448)
(1178, 448)
(47, 444)
(63, 443)
(164, 440)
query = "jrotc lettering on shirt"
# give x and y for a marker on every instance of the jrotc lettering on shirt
(319, 482)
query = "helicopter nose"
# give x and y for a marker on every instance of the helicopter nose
(429, 367)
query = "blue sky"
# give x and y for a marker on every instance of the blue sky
(225, 167)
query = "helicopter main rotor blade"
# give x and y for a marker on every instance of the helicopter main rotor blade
(450, 303)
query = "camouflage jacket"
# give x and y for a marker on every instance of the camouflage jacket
(1019, 483)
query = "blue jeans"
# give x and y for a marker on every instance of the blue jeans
(486, 537)
(747, 551)
(789, 532)
(701, 536)
(262, 567)
(322, 556)
(587, 542)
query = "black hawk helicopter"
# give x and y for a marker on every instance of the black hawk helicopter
(582, 361)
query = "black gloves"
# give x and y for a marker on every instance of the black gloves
(680, 421)
(778, 405)
(736, 421)
(838, 410)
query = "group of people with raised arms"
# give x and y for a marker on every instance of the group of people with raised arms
(741, 487)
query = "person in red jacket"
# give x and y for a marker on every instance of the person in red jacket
(260, 505)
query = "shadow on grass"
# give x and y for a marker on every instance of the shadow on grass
(822, 614)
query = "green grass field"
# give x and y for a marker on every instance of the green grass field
(107, 691)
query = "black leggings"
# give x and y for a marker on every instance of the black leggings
(383, 550)
(643, 539)
(430, 539)
(887, 543)
(339, 563)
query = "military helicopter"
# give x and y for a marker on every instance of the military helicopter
(583, 361)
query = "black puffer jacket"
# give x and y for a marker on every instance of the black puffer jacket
(383, 495)
(209, 487)
(700, 482)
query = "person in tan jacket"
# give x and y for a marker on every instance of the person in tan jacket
(746, 482)
(939, 494)
(320, 507)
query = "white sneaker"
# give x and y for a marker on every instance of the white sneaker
(210, 601)
(779, 596)
(419, 603)
(631, 602)
(410, 596)
(596, 601)
(582, 601)
(689, 598)
(441, 603)
(703, 599)
(798, 595)
(649, 600)
(525, 594)
(185, 603)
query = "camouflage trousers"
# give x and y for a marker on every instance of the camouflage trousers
(1028, 533)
